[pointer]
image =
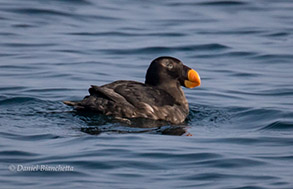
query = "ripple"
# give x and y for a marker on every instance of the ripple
(240, 54)
(223, 3)
(162, 49)
(270, 92)
(278, 34)
(32, 137)
(21, 45)
(24, 25)
(206, 115)
(17, 153)
(242, 31)
(186, 157)
(39, 11)
(273, 57)
(128, 34)
(11, 88)
(18, 100)
(211, 3)
(232, 163)
(255, 111)
(219, 176)
(78, 2)
(262, 141)
(279, 125)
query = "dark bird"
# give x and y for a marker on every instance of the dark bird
(159, 98)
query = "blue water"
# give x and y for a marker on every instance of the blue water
(241, 118)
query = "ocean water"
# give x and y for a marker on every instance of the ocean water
(241, 118)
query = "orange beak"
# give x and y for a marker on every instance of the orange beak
(193, 79)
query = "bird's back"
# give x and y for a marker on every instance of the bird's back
(132, 99)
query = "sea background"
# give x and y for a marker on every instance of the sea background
(241, 117)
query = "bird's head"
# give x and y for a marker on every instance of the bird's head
(164, 70)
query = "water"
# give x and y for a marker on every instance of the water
(241, 118)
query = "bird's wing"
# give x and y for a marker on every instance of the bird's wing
(137, 93)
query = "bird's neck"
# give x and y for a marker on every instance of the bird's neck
(176, 91)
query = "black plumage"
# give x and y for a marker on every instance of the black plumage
(160, 97)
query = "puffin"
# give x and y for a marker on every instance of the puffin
(160, 97)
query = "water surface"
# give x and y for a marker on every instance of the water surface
(241, 118)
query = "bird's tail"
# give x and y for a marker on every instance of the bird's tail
(70, 103)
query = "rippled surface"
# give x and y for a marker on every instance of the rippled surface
(241, 118)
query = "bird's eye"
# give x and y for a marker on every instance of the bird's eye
(170, 66)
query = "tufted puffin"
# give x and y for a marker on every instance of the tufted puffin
(160, 97)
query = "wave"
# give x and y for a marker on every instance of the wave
(163, 49)
(38, 11)
(274, 57)
(30, 137)
(222, 3)
(270, 92)
(17, 153)
(18, 100)
(211, 3)
(128, 34)
(78, 2)
(279, 125)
